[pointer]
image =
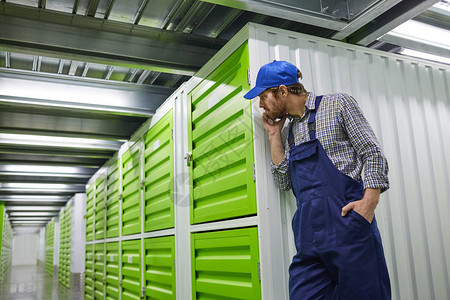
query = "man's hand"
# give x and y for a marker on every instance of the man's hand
(273, 128)
(366, 206)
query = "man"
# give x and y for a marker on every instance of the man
(328, 144)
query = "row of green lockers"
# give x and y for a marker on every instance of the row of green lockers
(221, 187)
(224, 264)
(64, 246)
(221, 171)
(6, 245)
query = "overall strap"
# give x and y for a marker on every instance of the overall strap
(311, 124)
(312, 120)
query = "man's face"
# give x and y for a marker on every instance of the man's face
(273, 107)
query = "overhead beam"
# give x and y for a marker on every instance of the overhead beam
(65, 92)
(83, 38)
(92, 8)
(296, 11)
(366, 17)
(402, 12)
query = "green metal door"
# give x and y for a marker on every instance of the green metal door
(131, 202)
(160, 268)
(88, 273)
(99, 271)
(225, 265)
(131, 270)
(90, 212)
(158, 172)
(100, 192)
(112, 201)
(112, 271)
(221, 143)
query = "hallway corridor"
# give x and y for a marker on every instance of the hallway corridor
(31, 282)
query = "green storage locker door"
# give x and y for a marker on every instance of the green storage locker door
(100, 193)
(158, 170)
(88, 273)
(99, 271)
(131, 195)
(225, 265)
(112, 271)
(112, 201)
(221, 142)
(131, 270)
(90, 213)
(160, 268)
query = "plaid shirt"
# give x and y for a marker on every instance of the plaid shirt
(345, 135)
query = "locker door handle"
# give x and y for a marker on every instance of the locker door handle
(188, 158)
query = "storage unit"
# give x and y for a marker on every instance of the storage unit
(221, 143)
(159, 175)
(112, 200)
(90, 212)
(100, 199)
(89, 273)
(65, 245)
(131, 191)
(5, 242)
(226, 263)
(231, 226)
(112, 271)
(49, 243)
(159, 273)
(99, 271)
(131, 270)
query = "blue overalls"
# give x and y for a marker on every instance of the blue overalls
(337, 257)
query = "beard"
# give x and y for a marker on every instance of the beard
(275, 114)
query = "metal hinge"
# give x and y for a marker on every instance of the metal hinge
(188, 158)
(120, 283)
(248, 76)
(259, 271)
(143, 293)
(142, 184)
(254, 173)
(172, 133)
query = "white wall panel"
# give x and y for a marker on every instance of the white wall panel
(407, 102)
(25, 249)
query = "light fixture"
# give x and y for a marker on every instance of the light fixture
(33, 214)
(426, 56)
(41, 187)
(33, 208)
(46, 219)
(33, 198)
(44, 170)
(57, 141)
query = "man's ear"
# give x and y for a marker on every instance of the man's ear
(283, 90)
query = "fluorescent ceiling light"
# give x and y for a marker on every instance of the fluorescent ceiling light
(28, 222)
(427, 56)
(424, 33)
(30, 219)
(33, 213)
(38, 187)
(56, 141)
(40, 169)
(33, 208)
(32, 198)
(443, 7)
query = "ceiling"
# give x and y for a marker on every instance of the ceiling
(79, 77)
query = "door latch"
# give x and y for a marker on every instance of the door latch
(188, 158)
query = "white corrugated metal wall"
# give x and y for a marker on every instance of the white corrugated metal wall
(407, 102)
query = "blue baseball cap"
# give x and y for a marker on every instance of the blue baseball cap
(273, 74)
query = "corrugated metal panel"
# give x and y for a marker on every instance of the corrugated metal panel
(49, 242)
(221, 141)
(88, 273)
(112, 201)
(131, 270)
(131, 198)
(99, 271)
(226, 263)
(160, 268)
(158, 172)
(112, 271)
(90, 212)
(100, 193)
(65, 246)
(407, 102)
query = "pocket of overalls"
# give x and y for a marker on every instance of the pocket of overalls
(305, 165)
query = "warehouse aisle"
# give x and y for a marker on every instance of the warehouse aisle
(31, 282)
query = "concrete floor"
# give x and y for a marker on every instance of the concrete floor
(31, 282)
